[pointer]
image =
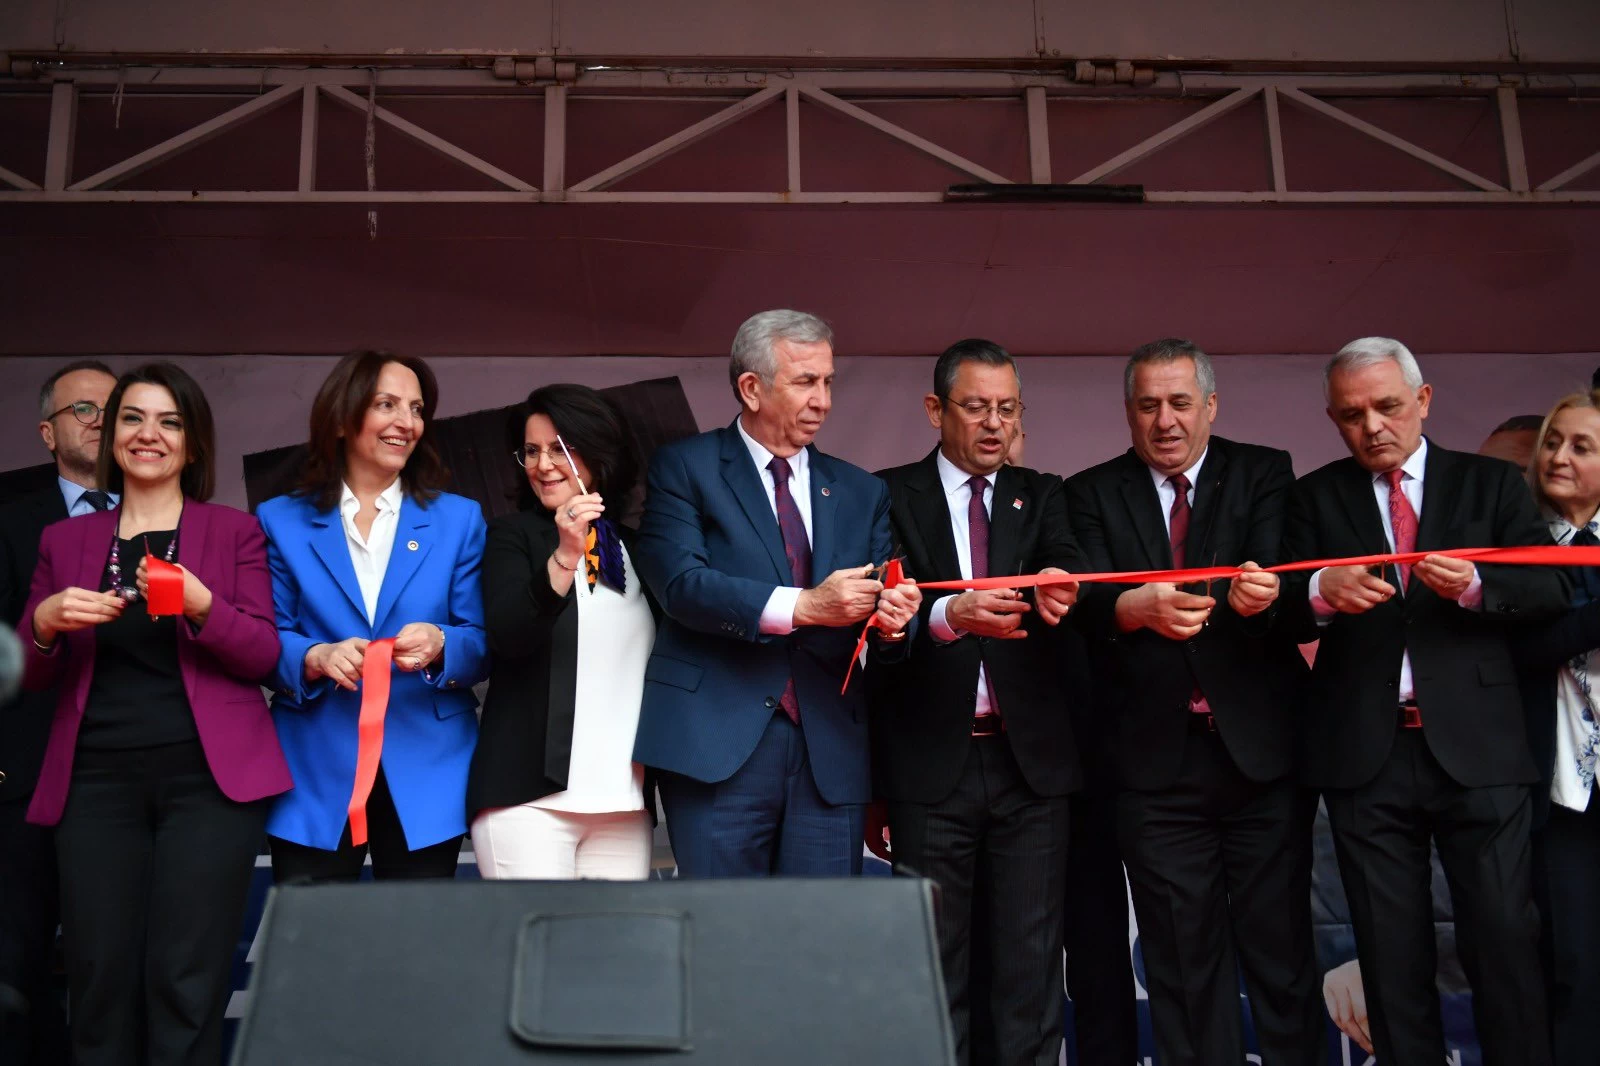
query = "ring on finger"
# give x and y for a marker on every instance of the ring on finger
(571, 513)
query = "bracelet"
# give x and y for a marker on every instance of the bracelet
(44, 649)
(557, 560)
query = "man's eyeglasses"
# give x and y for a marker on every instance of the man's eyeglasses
(528, 455)
(86, 411)
(974, 411)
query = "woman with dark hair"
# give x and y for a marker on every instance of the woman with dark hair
(370, 548)
(162, 752)
(554, 792)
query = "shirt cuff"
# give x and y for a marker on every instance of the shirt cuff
(1319, 606)
(777, 617)
(938, 627)
(1472, 599)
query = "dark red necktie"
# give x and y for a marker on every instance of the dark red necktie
(1403, 520)
(1178, 533)
(978, 542)
(797, 547)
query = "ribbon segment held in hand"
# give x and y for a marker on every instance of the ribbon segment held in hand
(369, 732)
(893, 574)
(163, 586)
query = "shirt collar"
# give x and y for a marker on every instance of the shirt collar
(1562, 531)
(388, 500)
(799, 462)
(1413, 467)
(952, 477)
(1193, 473)
(72, 492)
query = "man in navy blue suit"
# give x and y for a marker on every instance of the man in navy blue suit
(760, 550)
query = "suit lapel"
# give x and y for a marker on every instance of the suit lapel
(1005, 523)
(1361, 508)
(328, 541)
(1441, 486)
(412, 543)
(1202, 550)
(1144, 512)
(930, 527)
(823, 515)
(192, 542)
(744, 481)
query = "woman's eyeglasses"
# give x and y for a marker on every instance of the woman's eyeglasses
(86, 411)
(528, 455)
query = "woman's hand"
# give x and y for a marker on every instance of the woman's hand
(196, 597)
(573, 519)
(417, 646)
(72, 609)
(340, 663)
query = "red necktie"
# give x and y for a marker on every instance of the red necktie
(1403, 519)
(978, 542)
(1178, 533)
(797, 547)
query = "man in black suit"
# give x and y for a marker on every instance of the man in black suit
(1413, 722)
(972, 742)
(1202, 693)
(32, 1030)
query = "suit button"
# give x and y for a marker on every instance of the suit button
(771, 702)
(449, 684)
(1394, 684)
(2, 777)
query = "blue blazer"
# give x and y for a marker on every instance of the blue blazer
(710, 549)
(429, 731)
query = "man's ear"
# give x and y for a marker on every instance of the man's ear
(749, 385)
(935, 408)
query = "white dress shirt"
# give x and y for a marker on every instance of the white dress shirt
(72, 496)
(958, 497)
(777, 617)
(1167, 494)
(1412, 471)
(370, 554)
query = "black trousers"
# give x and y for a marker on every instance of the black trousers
(1381, 832)
(391, 860)
(1566, 854)
(1219, 869)
(33, 1027)
(155, 867)
(1099, 966)
(1022, 839)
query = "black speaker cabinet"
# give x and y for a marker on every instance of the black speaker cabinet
(738, 973)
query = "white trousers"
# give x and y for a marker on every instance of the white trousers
(533, 844)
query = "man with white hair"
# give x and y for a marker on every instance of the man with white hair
(1413, 723)
(760, 550)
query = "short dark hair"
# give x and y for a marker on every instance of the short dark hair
(1170, 350)
(47, 391)
(199, 478)
(591, 425)
(337, 413)
(971, 350)
(1519, 424)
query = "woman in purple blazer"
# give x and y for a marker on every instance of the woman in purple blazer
(161, 753)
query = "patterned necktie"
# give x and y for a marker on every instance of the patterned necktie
(97, 499)
(797, 547)
(1403, 519)
(978, 542)
(1178, 533)
(603, 556)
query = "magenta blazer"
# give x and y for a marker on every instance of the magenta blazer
(222, 663)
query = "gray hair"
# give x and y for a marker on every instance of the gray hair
(1372, 351)
(752, 345)
(1170, 350)
(47, 391)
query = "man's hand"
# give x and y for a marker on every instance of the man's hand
(897, 607)
(1446, 576)
(1162, 608)
(340, 663)
(1352, 589)
(988, 613)
(1055, 600)
(1252, 591)
(845, 598)
(1346, 997)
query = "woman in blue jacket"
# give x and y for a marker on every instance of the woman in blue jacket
(367, 548)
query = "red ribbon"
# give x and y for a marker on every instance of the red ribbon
(1536, 555)
(163, 583)
(369, 732)
(893, 574)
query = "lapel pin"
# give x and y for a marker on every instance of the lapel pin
(825, 490)
(412, 545)
(1016, 504)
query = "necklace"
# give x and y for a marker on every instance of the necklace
(129, 593)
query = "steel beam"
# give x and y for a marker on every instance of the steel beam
(1178, 130)
(63, 135)
(904, 136)
(677, 142)
(421, 136)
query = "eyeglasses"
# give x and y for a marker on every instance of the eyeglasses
(86, 411)
(974, 411)
(528, 455)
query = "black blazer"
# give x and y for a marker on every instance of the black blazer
(1466, 682)
(922, 706)
(1540, 650)
(1250, 672)
(525, 735)
(25, 720)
